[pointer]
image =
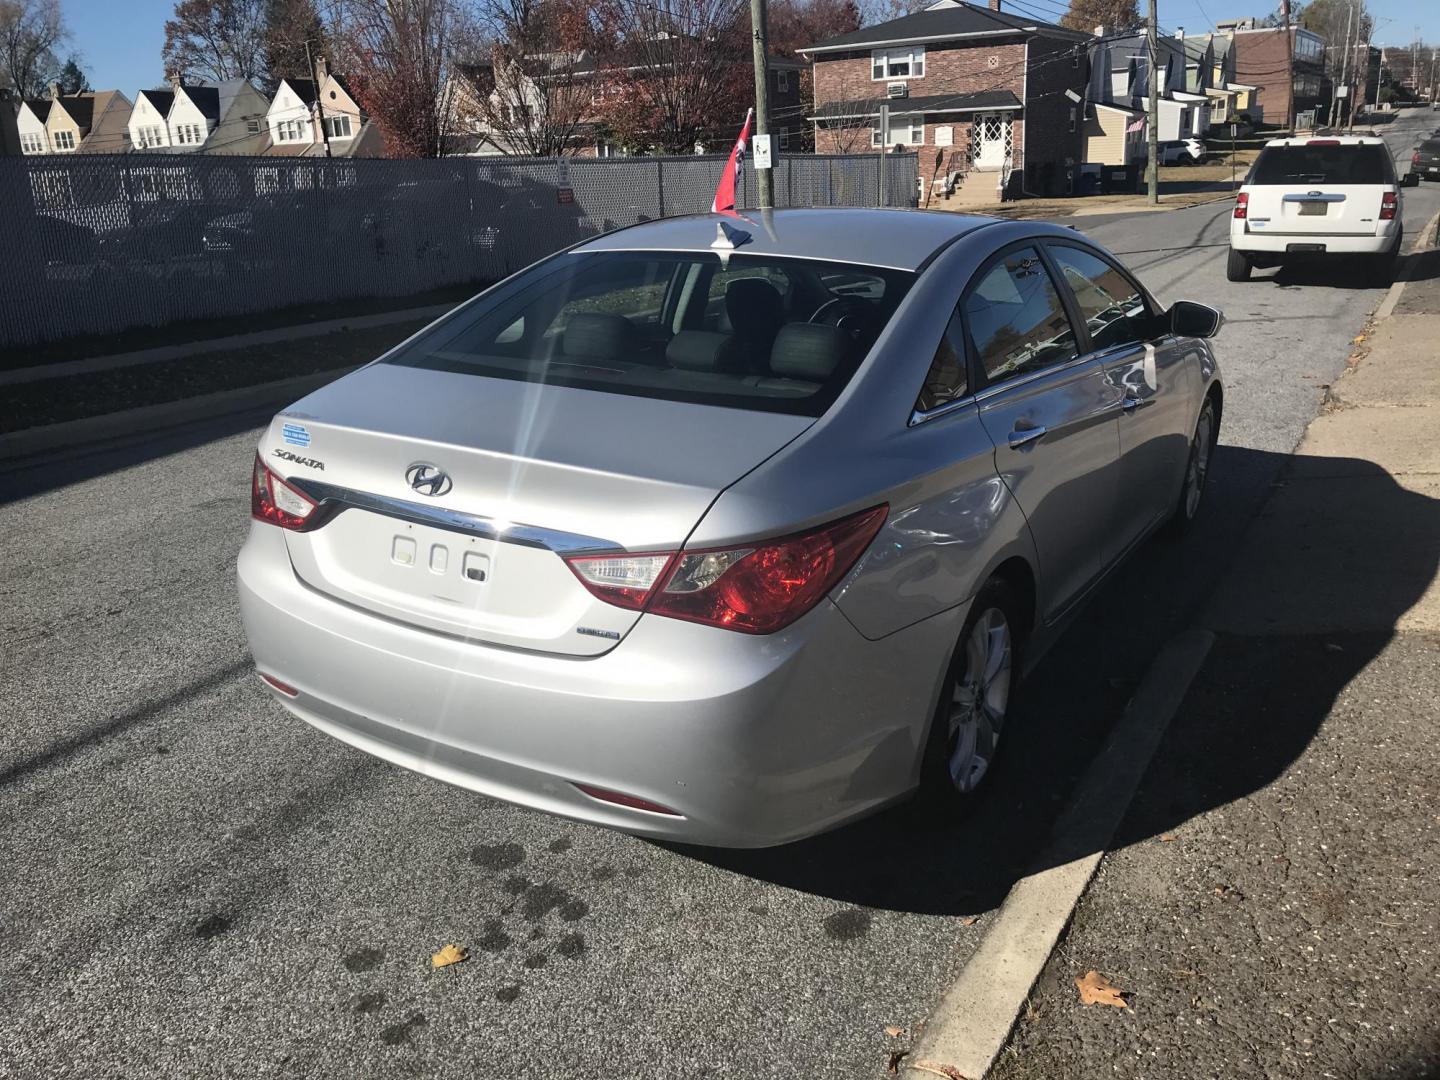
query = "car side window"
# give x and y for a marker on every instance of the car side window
(945, 381)
(1113, 307)
(1016, 318)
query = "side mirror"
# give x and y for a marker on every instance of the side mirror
(1189, 319)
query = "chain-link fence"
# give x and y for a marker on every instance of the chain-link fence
(97, 244)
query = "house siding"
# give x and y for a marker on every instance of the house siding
(27, 123)
(1049, 143)
(232, 134)
(184, 113)
(1104, 137)
(59, 121)
(146, 115)
(110, 129)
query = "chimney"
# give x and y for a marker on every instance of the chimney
(1099, 31)
(322, 72)
(176, 80)
(994, 5)
(54, 91)
(1179, 33)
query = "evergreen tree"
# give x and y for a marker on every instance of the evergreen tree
(289, 25)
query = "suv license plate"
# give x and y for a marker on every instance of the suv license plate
(1313, 209)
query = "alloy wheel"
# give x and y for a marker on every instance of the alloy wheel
(979, 701)
(1199, 463)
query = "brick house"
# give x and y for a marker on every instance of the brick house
(974, 91)
(1260, 61)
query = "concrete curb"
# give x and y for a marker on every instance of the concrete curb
(92, 433)
(1397, 287)
(970, 1026)
(223, 344)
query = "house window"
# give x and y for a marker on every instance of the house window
(338, 127)
(151, 135)
(289, 131)
(785, 140)
(782, 82)
(252, 127)
(64, 140)
(32, 142)
(906, 63)
(1072, 117)
(606, 149)
(905, 130)
(189, 134)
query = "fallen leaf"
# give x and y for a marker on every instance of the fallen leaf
(1095, 989)
(1168, 838)
(1228, 892)
(450, 954)
(896, 1056)
(894, 1031)
(950, 1072)
(970, 920)
(1359, 338)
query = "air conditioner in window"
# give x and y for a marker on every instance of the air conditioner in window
(897, 89)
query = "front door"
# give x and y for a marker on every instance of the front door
(990, 138)
(1052, 417)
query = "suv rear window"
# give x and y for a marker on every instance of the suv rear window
(754, 332)
(1314, 164)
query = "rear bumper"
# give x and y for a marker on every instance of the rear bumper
(1279, 243)
(753, 741)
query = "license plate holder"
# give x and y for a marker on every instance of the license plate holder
(1303, 249)
(1314, 208)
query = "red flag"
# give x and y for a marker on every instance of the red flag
(725, 193)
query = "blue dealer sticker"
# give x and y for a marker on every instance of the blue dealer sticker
(295, 435)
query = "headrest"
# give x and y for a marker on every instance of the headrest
(754, 307)
(598, 337)
(701, 350)
(809, 351)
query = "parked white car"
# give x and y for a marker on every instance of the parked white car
(1317, 198)
(1183, 152)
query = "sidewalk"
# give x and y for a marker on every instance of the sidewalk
(1295, 930)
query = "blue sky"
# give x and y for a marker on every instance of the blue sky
(119, 41)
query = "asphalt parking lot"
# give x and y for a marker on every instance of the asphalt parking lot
(197, 884)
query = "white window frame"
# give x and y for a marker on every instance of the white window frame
(252, 127)
(884, 60)
(289, 131)
(334, 123)
(914, 130)
(782, 82)
(64, 141)
(32, 142)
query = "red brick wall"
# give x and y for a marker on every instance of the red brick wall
(1260, 61)
(1049, 143)
(948, 70)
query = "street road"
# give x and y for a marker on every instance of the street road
(196, 884)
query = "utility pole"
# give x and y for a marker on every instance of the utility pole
(1289, 68)
(1152, 136)
(319, 100)
(1345, 62)
(760, 43)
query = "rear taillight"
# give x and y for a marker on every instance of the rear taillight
(754, 588)
(1242, 204)
(1415, 158)
(1387, 206)
(273, 500)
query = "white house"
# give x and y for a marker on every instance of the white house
(34, 138)
(292, 130)
(149, 125)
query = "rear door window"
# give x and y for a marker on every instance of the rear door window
(1016, 318)
(1321, 163)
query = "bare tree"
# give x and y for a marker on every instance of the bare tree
(396, 59)
(681, 74)
(846, 119)
(216, 40)
(29, 32)
(537, 71)
(291, 26)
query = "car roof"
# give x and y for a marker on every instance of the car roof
(895, 239)
(1329, 140)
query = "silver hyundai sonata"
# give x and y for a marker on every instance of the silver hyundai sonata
(726, 531)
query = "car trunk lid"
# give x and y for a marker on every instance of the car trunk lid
(534, 472)
(1319, 187)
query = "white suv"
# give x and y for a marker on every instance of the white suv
(1328, 196)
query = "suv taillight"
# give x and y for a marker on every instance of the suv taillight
(1387, 206)
(756, 588)
(1242, 204)
(1415, 158)
(274, 501)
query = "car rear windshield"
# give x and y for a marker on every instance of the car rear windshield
(1321, 164)
(751, 331)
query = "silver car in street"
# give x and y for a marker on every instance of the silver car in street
(726, 530)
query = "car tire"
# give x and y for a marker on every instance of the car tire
(1197, 470)
(1237, 266)
(976, 702)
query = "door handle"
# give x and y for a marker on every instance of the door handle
(1130, 404)
(1020, 437)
